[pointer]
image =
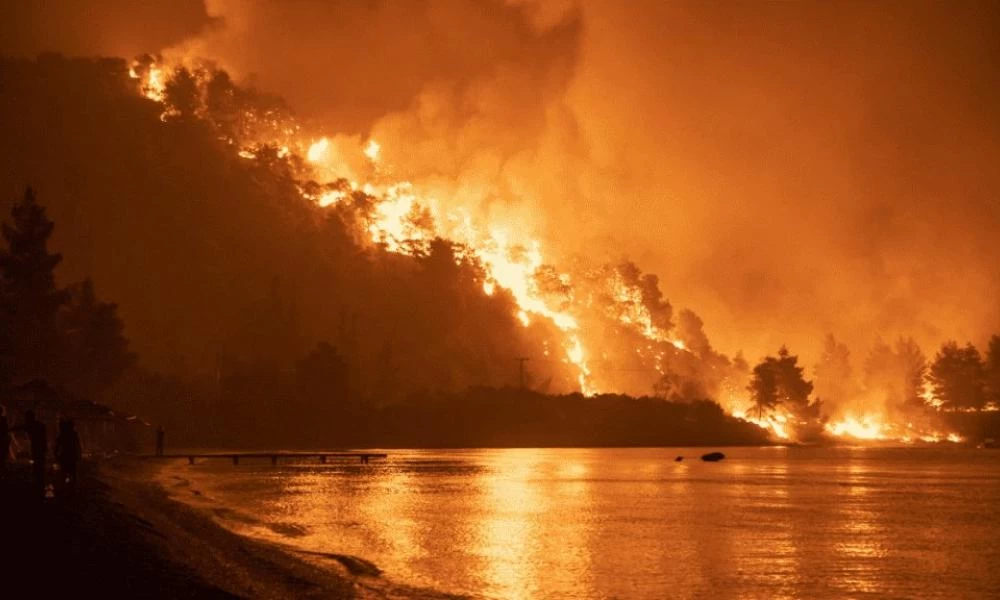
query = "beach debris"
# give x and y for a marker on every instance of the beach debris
(679, 459)
(713, 457)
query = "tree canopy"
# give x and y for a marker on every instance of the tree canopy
(779, 382)
(64, 336)
(958, 376)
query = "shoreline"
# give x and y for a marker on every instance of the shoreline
(123, 535)
(238, 565)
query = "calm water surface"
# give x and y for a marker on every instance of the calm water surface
(632, 523)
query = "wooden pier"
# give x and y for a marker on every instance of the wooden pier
(364, 457)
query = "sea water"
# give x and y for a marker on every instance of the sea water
(783, 522)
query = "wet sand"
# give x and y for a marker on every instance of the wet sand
(122, 536)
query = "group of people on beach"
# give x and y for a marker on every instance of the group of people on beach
(68, 450)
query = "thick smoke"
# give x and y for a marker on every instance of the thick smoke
(786, 169)
(100, 28)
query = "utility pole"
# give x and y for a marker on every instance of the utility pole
(521, 360)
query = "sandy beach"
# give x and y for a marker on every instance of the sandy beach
(123, 536)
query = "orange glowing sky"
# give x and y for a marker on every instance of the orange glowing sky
(787, 169)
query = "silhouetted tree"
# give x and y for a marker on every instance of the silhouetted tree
(763, 386)
(221, 103)
(95, 348)
(957, 376)
(993, 370)
(779, 381)
(912, 368)
(181, 94)
(28, 294)
(66, 337)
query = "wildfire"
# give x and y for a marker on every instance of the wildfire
(404, 220)
(154, 84)
(872, 427)
(317, 150)
(869, 427)
(774, 423)
(864, 429)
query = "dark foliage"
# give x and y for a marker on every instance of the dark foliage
(64, 336)
(958, 377)
(779, 382)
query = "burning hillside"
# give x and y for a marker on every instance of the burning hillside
(607, 326)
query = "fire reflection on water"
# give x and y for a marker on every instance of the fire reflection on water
(860, 548)
(510, 535)
(518, 540)
(766, 522)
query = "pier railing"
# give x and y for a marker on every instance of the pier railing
(235, 457)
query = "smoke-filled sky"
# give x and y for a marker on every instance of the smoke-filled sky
(787, 169)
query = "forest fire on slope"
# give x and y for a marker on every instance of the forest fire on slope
(615, 331)
(404, 222)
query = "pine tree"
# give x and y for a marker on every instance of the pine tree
(793, 389)
(763, 387)
(779, 381)
(30, 298)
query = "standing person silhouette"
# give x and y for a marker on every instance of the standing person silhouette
(68, 452)
(39, 449)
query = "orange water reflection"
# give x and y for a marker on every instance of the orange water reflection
(764, 523)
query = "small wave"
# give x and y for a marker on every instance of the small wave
(353, 564)
(288, 529)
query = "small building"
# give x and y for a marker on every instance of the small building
(102, 431)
